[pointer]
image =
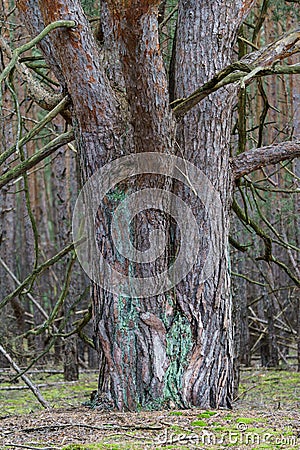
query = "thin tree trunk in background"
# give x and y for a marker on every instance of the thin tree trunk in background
(64, 185)
(240, 312)
(296, 168)
(271, 312)
(9, 199)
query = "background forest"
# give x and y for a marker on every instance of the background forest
(48, 324)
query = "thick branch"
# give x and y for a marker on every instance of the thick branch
(284, 47)
(136, 33)
(94, 102)
(259, 157)
(31, 16)
(37, 157)
(253, 65)
(18, 51)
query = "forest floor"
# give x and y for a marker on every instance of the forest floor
(266, 416)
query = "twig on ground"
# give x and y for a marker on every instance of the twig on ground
(29, 383)
(83, 425)
(30, 447)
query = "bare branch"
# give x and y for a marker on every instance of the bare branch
(18, 282)
(36, 129)
(256, 158)
(32, 276)
(284, 47)
(29, 383)
(18, 51)
(37, 157)
(45, 98)
(253, 65)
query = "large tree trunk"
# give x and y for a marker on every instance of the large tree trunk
(174, 348)
(205, 37)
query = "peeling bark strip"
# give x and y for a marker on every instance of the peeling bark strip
(259, 157)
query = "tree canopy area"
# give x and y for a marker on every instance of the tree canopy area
(178, 263)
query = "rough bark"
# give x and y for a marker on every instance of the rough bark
(204, 45)
(256, 158)
(174, 348)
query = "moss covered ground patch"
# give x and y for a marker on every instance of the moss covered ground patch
(56, 392)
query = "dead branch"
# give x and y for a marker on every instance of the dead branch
(40, 95)
(45, 265)
(28, 446)
(36, 129)
(37, 157)
(23, 48)
(83, 425)
(256, 158)
(18, 282)
(29, 383)
(253, 65)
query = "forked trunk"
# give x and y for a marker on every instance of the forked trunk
(172, 344)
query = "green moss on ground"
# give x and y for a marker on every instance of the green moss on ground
(199, 423)
(263, 418)
(60, 396)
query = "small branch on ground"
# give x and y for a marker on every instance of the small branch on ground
(30, 447)
(29, 383)
(90, 427)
